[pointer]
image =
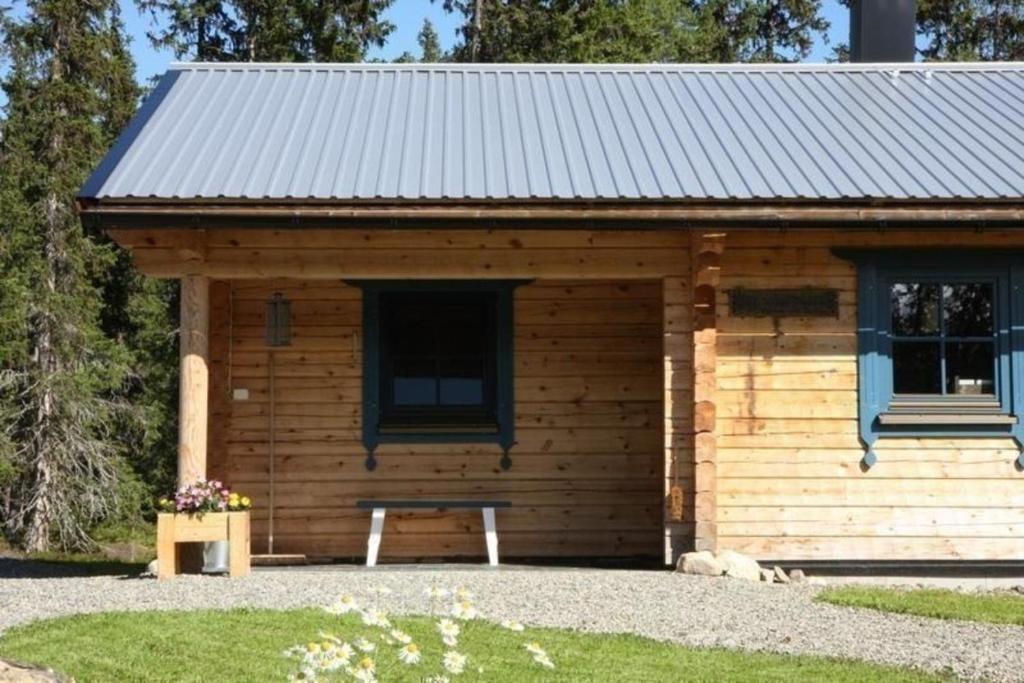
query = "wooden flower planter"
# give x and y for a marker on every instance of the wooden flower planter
(172, 529)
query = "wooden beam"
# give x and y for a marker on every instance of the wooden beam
(705, 252)
(184, 214)
(194, 382)
(437, 263)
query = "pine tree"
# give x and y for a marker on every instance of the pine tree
(203, 29)
(758, 31)
(578, 31)
(70, 88)
(430, 44)
(269, 30)
(971, 30)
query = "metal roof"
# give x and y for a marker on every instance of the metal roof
(573, 132)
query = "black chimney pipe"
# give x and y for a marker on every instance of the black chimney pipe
(883, 30)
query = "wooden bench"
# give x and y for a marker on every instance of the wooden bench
(380, 507)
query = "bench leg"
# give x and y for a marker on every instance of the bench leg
(376, 528)
(491, 534)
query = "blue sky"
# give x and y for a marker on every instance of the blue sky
(407, 15)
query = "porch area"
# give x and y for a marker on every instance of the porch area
(602, 461)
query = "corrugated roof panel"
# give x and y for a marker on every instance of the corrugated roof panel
(629, 132)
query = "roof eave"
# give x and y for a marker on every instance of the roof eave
(149, 213)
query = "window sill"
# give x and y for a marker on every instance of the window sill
(936, 418)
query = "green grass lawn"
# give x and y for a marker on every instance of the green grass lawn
(996, 608)
(247, 645)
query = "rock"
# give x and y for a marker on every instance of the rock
(768, 576)
(18, 673)
(816, 581)
(739, 566)
(151, 569)
(700, 563)
(780, 574)
(1019, 589)
(797, 576)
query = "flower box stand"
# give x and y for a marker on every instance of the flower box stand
(172, 529)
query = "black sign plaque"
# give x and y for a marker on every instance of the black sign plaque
(806, 302)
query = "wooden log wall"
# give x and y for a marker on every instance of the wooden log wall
(588, 473)
(790, 485)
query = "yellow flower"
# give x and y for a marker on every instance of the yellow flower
(246, 502)
(313, 647)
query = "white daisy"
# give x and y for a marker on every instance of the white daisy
(343, 605)
(454, 662)
(535, 649)
(544, 661)
(463, 593)
(344, 652)
(436, 679)
(401, 636)
(364, 645)
(376, 617)
(464, 609)
(511, 625)
(448, 628)
(410, 654)
(437, 593)
(365, 670)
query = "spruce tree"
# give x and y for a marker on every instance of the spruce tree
(269, 30)
(430, 44)
(70, 88)
(202, 29)
(971, 30)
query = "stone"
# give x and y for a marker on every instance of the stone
(816, 581)
(739, 566)
(780, 574)
(700, 563)
(797, 576)
(11, 672)
(151, 569)
(768, 576)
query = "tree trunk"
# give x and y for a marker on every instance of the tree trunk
(37, 538)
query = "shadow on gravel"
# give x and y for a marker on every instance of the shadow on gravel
(23, 568)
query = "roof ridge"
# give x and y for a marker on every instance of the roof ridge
(797, 67)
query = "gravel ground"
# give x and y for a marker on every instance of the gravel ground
(692, 610)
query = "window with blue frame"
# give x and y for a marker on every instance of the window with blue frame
(437, 363)
(940, 344)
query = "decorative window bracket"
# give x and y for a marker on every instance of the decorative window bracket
(874, 389)
(504, 434)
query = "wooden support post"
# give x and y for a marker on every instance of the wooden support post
(194, 383)
(705, 252)
(677, 342)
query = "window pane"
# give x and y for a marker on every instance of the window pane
(915, 309)
(410, 327)
(462, 327)
(462, 381)
(970, 368)
(415, 382)
(916, 368)
(968, 309)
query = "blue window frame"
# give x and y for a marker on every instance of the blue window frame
(940, 344)
(438, 363)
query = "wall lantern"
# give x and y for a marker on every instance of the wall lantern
(279, 321)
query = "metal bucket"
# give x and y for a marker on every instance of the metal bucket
(215, 557)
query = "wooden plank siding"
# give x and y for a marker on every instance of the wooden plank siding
(589, 467)
(790, 485)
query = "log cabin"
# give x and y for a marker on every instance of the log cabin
(772, 308)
